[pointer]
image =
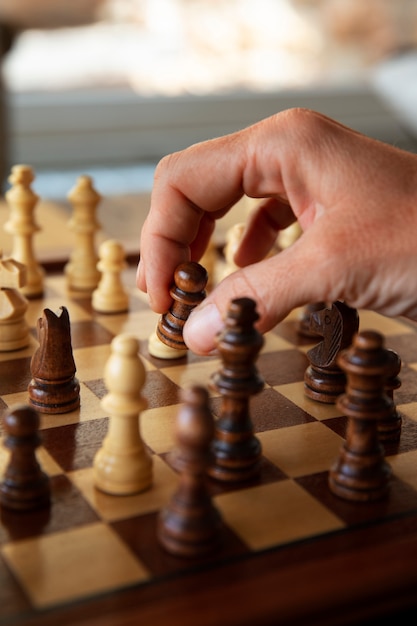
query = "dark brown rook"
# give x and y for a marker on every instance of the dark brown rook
(25, 486)
(237, 450)
(190, 525)
(389, 429)
(188, 290)
(324, 380)
(54, 387)
(361, 472)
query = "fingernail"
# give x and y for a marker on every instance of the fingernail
(201, 328)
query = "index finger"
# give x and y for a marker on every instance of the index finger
(192, 189)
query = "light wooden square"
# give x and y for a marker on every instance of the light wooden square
(112, 508)
(404, 466)
(319, 410)
(275, 513)
(73, 564)
(301, 450)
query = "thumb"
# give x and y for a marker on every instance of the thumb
(277, 285)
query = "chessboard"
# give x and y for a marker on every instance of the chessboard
(290, 552)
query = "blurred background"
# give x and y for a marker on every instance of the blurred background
(108, 87)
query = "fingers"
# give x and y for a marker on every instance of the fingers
(344, 189)
(195, 187)
(166, 239)
(200, 243)
(276, 284)
(189, 194)
(263, 226)
(367, 261)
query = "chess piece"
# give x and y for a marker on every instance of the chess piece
(305, 327)
(389, 429)
(110, 295)
(54, 387)
(236, 450)
(233, 238)
(324, 380)
(81, 270)
(123, 465)
(289, 235)
(160, 350)
(361, 472)
(14, 330)
(189, 526)
(210, 260)
(188, 290)
(21, 224)
(25, 486)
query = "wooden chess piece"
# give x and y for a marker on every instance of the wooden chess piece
(210, 260)
(81, 270)
(236, 449)
(123, 465)
(289, 235)
(25, 486)
(305, 327)
(233, 238)
(54, 387)
(14, 330)
(22, 225)
(389, 429)
(110, 295)
(160, 350)
(189, 525)
(361, 472)
(324, 380)
(187, 292)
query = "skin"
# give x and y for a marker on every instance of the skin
(355, 199)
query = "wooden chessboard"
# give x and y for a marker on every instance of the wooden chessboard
(291, 551)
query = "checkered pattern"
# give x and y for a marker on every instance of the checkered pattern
(90, 543)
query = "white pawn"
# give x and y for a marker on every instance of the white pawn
(123, 465)
(160, 350)
(110, 295)
(22, 200)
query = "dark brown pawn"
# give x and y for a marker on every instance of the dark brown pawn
(190, 525)
(188, 290)
(25, 486)
(324, 381)
(389, 429)
(236, 449)
(54, 387)
(361, 472)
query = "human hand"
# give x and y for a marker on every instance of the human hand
(355, 199)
